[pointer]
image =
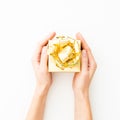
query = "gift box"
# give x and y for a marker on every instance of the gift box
(64, 54)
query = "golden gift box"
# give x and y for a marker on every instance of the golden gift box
(64, 54)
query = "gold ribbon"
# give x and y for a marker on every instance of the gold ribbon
(65, 51)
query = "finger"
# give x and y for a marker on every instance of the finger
(92, 68)
(84, 44)
(36, 56)
(86, 47)
(84, 61)
(92, 63)
(43, 61)
(47, 38)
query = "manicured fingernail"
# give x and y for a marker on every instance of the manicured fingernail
(84, 53)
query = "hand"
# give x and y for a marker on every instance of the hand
(39, 61)
(81, 80)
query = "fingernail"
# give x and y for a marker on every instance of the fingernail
(84, 53)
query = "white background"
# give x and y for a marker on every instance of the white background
(25, 22)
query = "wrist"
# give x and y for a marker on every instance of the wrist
(81, 93)
(41, 90)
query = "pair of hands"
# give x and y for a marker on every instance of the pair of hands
(81, 80)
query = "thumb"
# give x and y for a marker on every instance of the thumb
(43, 61)
(84, 61)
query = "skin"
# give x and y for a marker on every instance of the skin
(43, 80)
(81, 81)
